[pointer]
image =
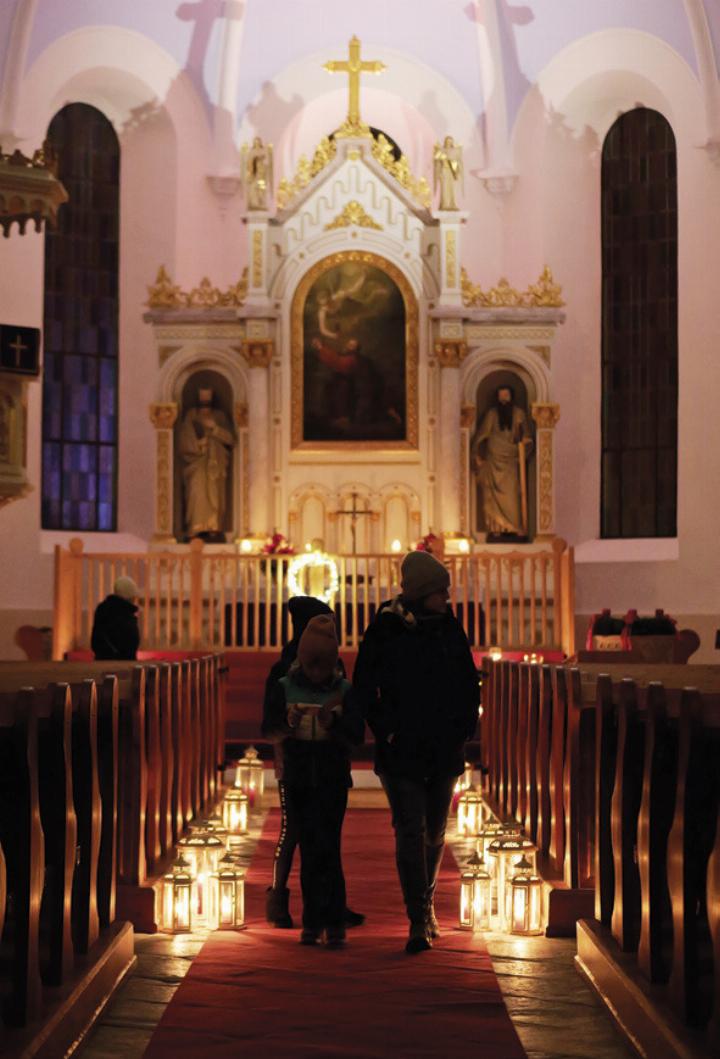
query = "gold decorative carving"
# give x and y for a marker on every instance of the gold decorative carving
(163, 416)
(354, 67)
(400, 169)
(450, 353)
(164, 294)
(353, 213)
(542, 351)
(468, 413)
(241, 416)
(545, 294)
(451, 259)
(288, 189)
(257, 258)
(164, 486)
(258, 352)
(545, 481)
(29, 188)
(545, 415)
(411, 354)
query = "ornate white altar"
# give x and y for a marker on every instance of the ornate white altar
(354, 201)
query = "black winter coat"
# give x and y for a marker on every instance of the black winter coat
(115, 633)
(415, 680)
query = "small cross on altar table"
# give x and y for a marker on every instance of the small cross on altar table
(354, 513)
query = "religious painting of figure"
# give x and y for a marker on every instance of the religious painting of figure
(352, 339)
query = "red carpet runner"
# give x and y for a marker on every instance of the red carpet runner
(259, 992)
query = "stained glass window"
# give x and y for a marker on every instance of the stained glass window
(639, 328)
(80, 371)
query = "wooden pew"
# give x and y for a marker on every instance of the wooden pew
(653, 948)
(62, 964)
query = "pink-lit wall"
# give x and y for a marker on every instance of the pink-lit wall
(560, 86)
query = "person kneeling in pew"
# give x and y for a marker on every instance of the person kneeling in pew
(115, 632)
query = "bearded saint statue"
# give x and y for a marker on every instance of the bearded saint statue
(499, 451)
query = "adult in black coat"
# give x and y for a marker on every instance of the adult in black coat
(277, 907)
(418, 690)
(115, 632)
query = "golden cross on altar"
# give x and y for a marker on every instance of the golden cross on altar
(354, 66)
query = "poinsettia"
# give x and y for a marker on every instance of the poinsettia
(427, 543)
(278, 544)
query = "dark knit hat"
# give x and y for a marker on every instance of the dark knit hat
(422, 575)
(318, 644)
(302, 609)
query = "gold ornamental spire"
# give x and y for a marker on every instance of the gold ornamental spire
(354, 66)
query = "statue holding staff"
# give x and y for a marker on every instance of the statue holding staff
(499, 454)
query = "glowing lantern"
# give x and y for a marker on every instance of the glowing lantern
(469, 813)
(533, 659)
(250, 777)
(216, 825)
(523, 908)
(495, 654)
(235, 811)
(228, 903)
(203, 849)
(475, 895)
(507, 850)
(176, 898)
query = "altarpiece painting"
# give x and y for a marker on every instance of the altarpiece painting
(354, 338)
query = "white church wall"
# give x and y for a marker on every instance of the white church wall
(554, 215)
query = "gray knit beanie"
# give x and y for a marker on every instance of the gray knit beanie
(126, 588)
(422, 575)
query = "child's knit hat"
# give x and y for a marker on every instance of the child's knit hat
(422, 575)
(319, 642)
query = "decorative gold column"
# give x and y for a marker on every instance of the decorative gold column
(546, 417)
(13, 439)
(162, 417)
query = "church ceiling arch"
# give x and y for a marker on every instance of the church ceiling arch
(587, 84)
(123, 73)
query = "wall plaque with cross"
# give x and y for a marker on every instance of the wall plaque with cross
(19, 350)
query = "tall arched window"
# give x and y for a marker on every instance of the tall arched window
(80, 372)
(639, 328)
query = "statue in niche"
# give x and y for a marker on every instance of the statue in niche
(257, 173)
(499, 454)
(205, 443)
(447, 171)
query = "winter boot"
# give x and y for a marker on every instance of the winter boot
(309, 936)
(335, 937)
(277, 910)
(353, 919)
(418, 940)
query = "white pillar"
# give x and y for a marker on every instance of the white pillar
(259, 355)
(257, 225)
(450, 354)
(450, 257)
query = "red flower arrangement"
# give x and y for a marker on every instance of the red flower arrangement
(278, 544)
(431, 543)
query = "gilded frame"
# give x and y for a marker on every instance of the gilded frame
(410, 441)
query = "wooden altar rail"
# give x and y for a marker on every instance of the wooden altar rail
(574, 754)
(63, 947)
(171, 738)
(208, 599)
